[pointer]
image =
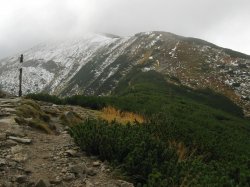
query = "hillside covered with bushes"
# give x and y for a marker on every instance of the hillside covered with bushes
(188, 138)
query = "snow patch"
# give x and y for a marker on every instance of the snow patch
(173, 51)
(146, 69)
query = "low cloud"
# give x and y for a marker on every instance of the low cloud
(24, 23)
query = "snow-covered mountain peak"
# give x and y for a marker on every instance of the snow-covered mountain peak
(96, 63)
(50, 64)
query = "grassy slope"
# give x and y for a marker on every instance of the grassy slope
(207, 124)
(210, 120)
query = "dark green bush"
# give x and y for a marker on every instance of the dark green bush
(210, 126)
(46, 97)
(144, 154)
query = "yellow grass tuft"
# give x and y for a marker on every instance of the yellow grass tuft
(145, 57)
(182, 151)
(110, 113)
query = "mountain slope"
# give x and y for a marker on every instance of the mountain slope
(203, 132)
(50, 65)
(95, 64)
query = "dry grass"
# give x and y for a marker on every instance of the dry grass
(145, 57)
(183, 154)
(111, 113)
(31, 103)
(70, 118)
(182, 151)
(35, 123)
(30, 113)
(41, 126)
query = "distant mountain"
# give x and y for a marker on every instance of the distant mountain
(96, 63)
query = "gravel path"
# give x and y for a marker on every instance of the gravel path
(29, 157)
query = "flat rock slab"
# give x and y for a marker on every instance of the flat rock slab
(9, 101)
(20, 140)
(7, 106)
(4, 114)
(11, 110)
(9, 121)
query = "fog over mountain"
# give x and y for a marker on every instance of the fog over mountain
(124, 93)
(24, 23)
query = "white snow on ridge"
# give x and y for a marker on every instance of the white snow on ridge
(146, 69)
(62, 51)
(117, 51)
(173, 51)
(68, 56)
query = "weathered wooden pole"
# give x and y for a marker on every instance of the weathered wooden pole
(20, 76)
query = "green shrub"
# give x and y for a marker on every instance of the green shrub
(143, 153)
(45, 97)
(210, 127)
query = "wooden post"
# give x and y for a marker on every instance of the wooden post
(20, 76)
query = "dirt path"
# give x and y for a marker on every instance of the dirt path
(29, 157)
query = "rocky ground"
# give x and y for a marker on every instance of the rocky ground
(31, 157)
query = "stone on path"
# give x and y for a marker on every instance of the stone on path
(71, 152)
(96, 163)
(20, 140)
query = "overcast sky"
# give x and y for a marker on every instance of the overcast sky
(24, 23)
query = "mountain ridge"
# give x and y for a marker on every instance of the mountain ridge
(95, 64)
